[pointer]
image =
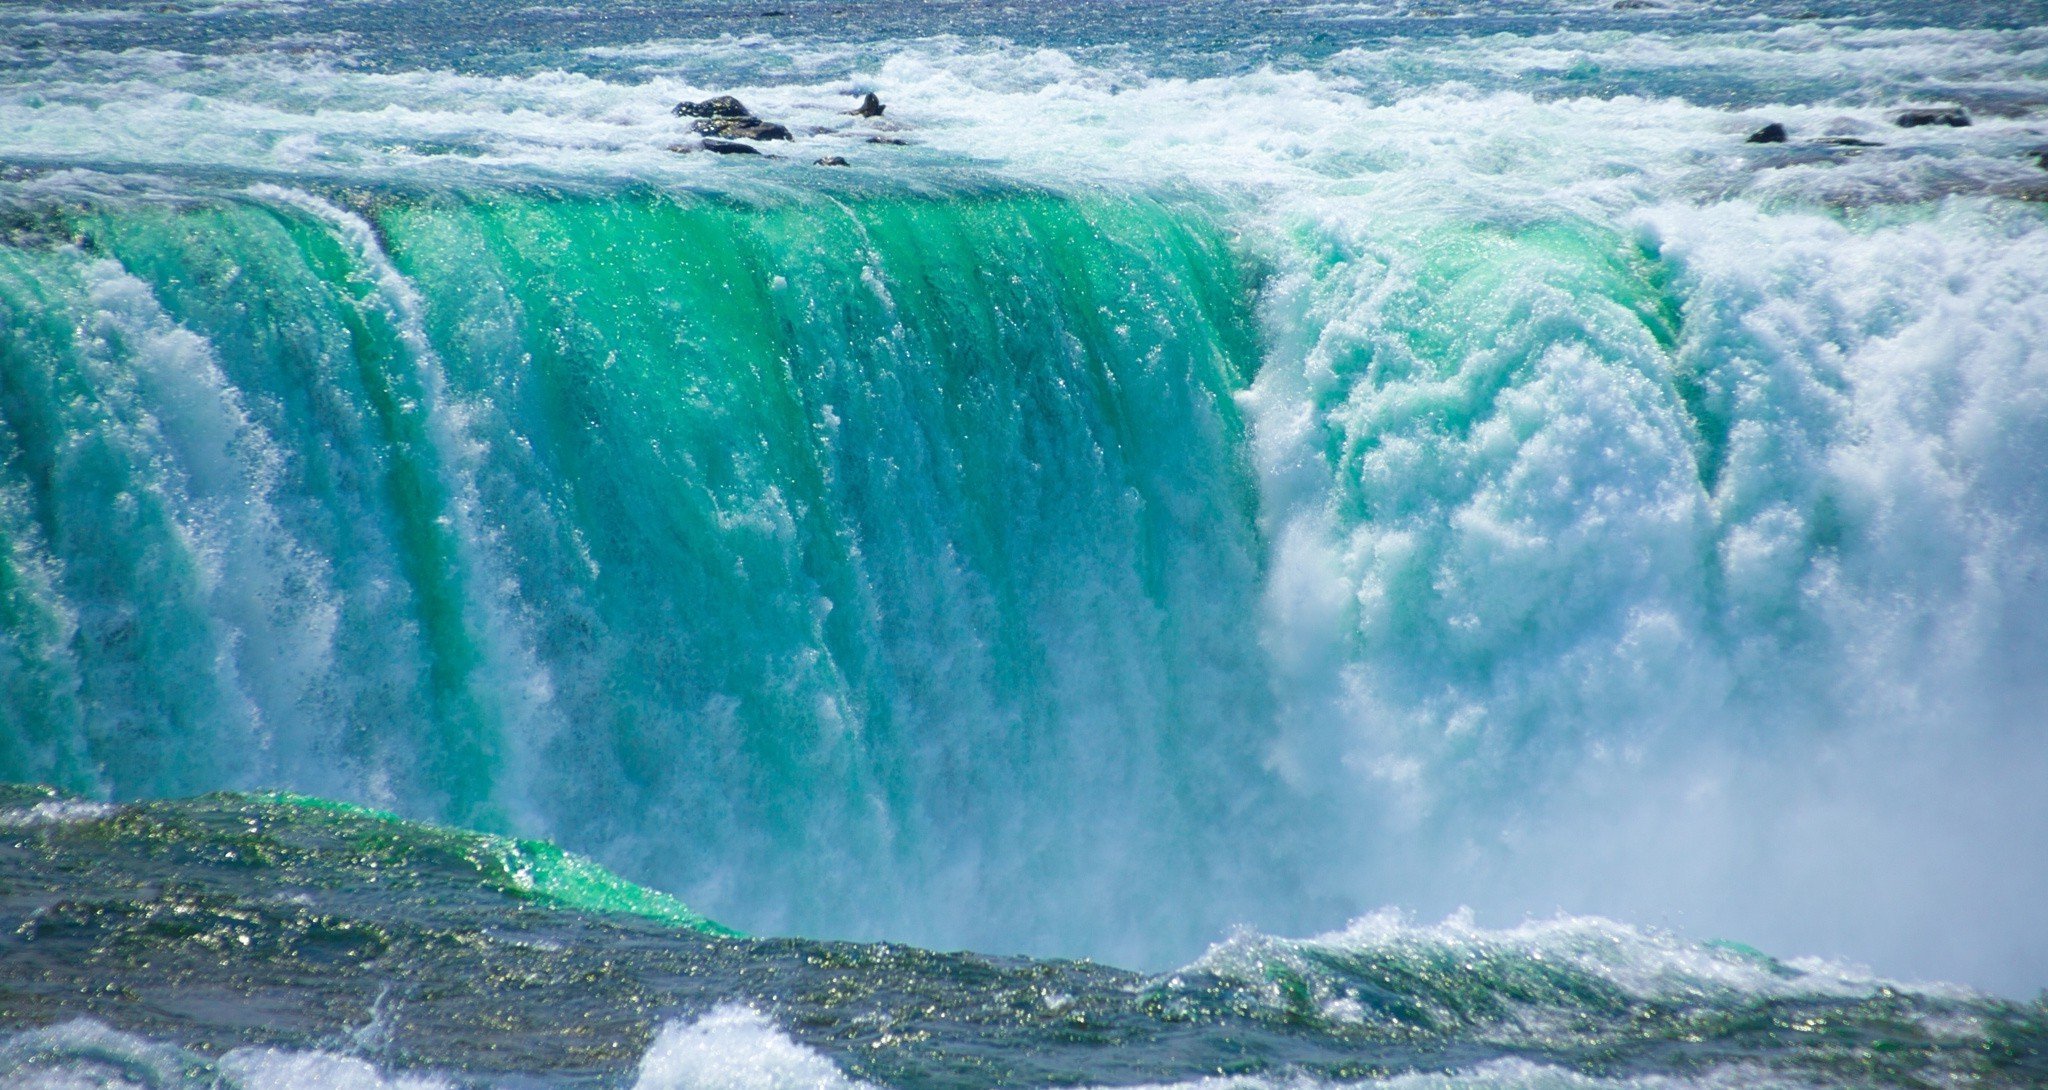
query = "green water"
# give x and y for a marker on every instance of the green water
(758, 549)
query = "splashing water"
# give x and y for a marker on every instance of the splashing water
(1226, 467)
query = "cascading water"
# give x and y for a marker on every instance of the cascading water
(836, 564)
(1597, 550)
(1196, 468)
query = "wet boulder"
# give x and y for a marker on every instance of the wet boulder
(833, 161)
(716, 147)
(1772, 133)
(741, 128)
(722, 106)
(730, 147)
(1952, 116)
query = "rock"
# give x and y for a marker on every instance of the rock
(1636, 5)
(1847, 142)
(730, 147)
(722, 106)
(1952, 116)
(1772, 133)
(742, 128)
(897, 141)
(833, 161)
(869, 107)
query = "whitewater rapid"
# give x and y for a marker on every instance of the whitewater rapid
(1177, 489)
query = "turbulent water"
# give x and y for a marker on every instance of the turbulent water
(1206, 468)
(289, 942)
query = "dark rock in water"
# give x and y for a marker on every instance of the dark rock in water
(1636, 5)
(869, 107)
(1772, 133)
(1847, 142)
(742, 128)
(722, 106)
(1952, 116)
(833, 161)
(897, 141)
(730, 147)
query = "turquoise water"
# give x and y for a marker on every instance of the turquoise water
(1219, 471)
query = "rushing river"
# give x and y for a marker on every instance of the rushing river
(1195, 473)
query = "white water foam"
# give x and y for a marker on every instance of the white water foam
(738, 1048)
(55, 812)
(735, 1048)
(1720, 650)
(1645, 964)
(282, 1069)
(85, 1054)
(1495, 115)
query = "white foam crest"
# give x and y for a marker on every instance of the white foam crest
(281, 1069)
(1646, 964)
(55, 812)
(738, 1048)
(86, 1054)
(735, 1048)
(27, 18)
(1810, 57)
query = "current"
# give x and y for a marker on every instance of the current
(1196, 473)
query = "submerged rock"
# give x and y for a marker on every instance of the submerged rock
(730, 147)
(833, 161)
(1952, 116)
(1847, 142)
(1772, 133)
(869, 107)
(722, 106)
(716, 147)
(894, 140)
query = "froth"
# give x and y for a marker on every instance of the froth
(735, 1048)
